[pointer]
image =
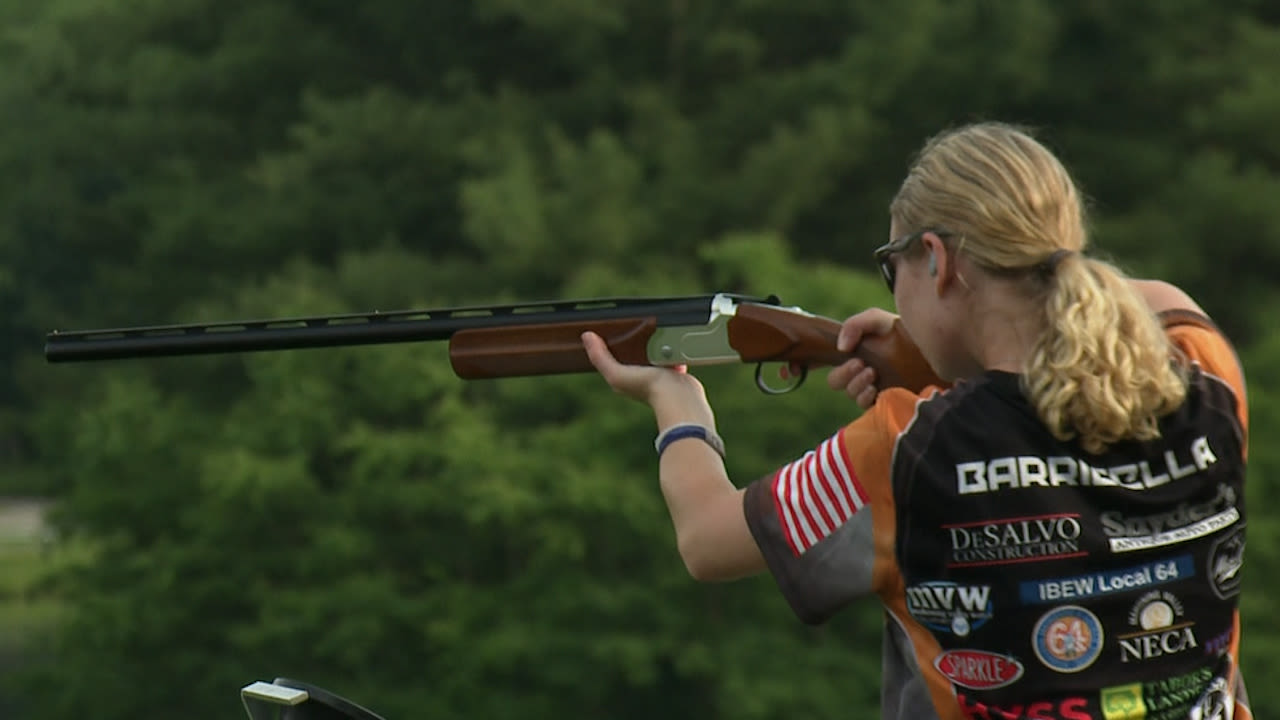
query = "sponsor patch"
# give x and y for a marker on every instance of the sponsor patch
(1187, 521)
(979, 669)
(1037, 592)
(1226, 557)
(1217, 703)
(1067, 639)
(1219, 643)
(1124, 702)
(1161, 631)
(950, 607)
(1008, 541)
(1024, 472)
(1171, 697)
(1068, 708)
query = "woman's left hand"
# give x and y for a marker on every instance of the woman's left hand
(670, 391)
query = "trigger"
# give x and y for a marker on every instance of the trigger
(768, 389)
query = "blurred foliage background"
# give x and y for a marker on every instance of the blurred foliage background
(363, 520)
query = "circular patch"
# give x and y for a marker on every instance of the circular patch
(1155, 615)
(1067, 639)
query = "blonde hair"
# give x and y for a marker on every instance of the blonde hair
(1102, 369)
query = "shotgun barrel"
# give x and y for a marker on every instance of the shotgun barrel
(541, 338)
(373, 328)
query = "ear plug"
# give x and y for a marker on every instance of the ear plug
(933, 266)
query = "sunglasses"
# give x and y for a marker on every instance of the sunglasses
(883, 254)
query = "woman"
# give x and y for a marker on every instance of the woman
(1054, 532)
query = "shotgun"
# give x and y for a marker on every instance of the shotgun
(542, 338)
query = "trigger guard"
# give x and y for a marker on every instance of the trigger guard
(768, 389)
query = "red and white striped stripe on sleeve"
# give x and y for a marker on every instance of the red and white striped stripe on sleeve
(817, 494)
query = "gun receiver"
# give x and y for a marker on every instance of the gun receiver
(539, 338)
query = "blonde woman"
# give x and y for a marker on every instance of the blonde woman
(1055, 532)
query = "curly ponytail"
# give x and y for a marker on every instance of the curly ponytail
(1101, 371)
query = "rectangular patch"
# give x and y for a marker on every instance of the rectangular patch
(1106, 582)
(1207, 526)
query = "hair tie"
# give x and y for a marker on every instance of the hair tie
(1050, 264)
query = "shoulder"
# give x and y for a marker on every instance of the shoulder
(1194, 335)
(899, 413)
(1165, 297)
(898, 404)
(1189, 327)
(1201, 345)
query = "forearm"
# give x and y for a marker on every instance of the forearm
(706, 509)
(693, 480)
(705, 506)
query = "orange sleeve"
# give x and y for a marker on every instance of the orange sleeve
(1202, 343)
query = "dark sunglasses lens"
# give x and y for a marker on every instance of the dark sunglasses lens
(889, 273)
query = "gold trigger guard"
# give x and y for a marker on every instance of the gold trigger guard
(768, 389)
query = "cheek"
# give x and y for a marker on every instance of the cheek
(916, 323)
(944, 346)
(926, 328)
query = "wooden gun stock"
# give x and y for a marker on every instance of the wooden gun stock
(545, 349)
(762, 333)
(756, 333)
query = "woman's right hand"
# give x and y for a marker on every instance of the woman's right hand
(854, 377)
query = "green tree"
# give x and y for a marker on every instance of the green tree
(362, 519)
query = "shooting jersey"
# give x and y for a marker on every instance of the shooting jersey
(1021, 576)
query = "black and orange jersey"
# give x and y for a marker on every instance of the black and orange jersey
(1023, 577)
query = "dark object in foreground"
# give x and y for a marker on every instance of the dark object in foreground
(540, 338)
(285, 699)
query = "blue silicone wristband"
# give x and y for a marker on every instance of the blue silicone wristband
(688, 430)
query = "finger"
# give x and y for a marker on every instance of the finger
(867, 397)
(866, 377)
(853, 385)
(598, 353)
(841, 375)
(790, 370)
(860, 384)
(855, 328)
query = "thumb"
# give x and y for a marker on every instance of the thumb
(850, 334)
(598, 352)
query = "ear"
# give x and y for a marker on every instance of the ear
(940, 262)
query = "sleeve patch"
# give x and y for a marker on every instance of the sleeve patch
(816, 494)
